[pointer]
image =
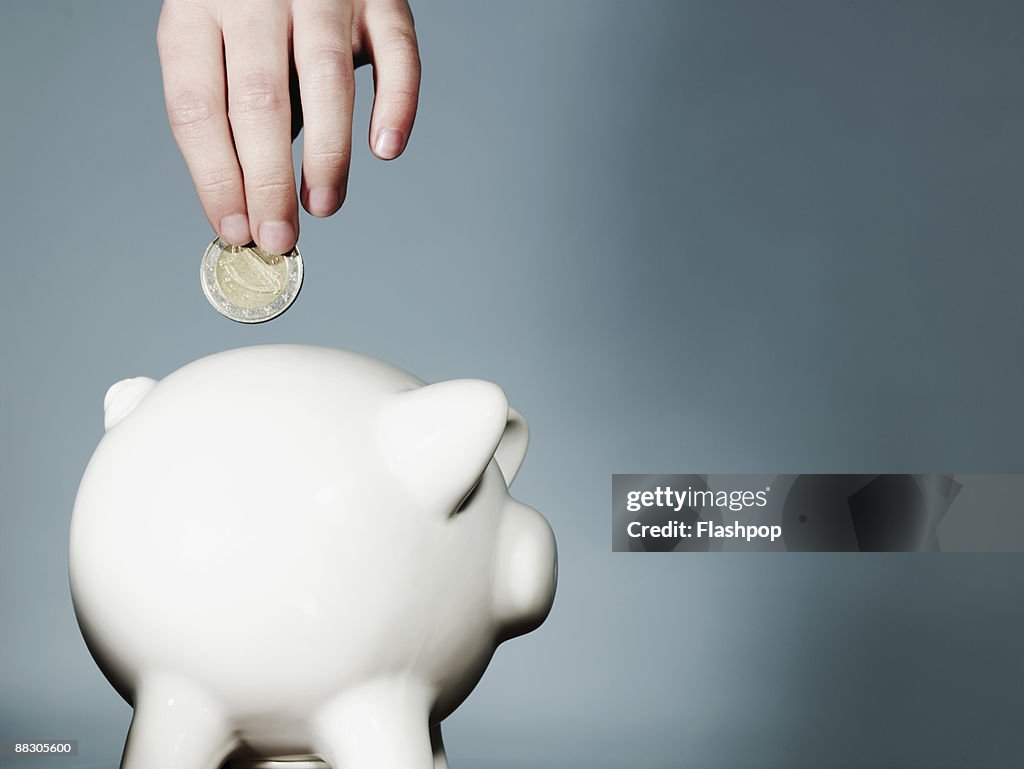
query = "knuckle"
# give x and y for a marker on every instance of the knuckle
(257, 93)
(216, 186)
(328, 65)
(271, 187)
(398, 95)
(328, 158)
(401, 93)
(190, 109)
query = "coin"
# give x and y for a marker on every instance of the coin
(248, 284)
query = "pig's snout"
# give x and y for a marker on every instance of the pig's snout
(527, 570)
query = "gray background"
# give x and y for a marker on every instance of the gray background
(685, 237)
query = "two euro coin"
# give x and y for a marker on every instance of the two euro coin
(248, 284)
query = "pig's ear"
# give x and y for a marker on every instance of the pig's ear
(440, 438)
(512, 448)
(123, 397)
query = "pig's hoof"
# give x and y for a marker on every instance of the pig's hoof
(381, 725)
(176, 726)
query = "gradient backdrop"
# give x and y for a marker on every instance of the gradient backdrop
(685, 237)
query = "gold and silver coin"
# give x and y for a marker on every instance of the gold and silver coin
(248, 284)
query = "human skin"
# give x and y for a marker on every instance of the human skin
(227, 67)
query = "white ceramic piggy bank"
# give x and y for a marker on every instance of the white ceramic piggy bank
(300, 553)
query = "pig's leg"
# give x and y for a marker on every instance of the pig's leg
(176, 726)
(380, 725)
(440, 759)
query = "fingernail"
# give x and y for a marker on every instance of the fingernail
(389, 143)
(277, 237)
(235, 229)
(323, 201)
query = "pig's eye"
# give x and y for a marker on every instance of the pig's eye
(468, 499)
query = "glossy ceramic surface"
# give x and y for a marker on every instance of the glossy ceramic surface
(301, 553)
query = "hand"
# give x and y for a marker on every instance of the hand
(226, 69)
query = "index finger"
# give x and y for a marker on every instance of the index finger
(192, 60)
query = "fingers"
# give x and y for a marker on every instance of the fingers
(236, 139)
(323, 59)
(256, 50)
(391, 39)
(189, 43)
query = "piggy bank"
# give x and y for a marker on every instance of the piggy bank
(297, 554)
